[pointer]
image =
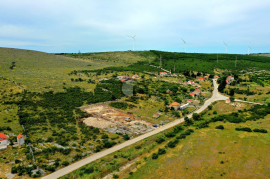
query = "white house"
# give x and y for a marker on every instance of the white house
(183, 106)
(20, 139)
(3, 139)
(163, 74)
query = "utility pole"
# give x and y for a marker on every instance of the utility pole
(160, 61)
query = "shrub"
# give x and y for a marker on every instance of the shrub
(215, 112)
(247, 129)
(89, 170)
(196, 116)
(220, 127)
(210, 107)
(161, 151)
(260, 130)
(126, 137)
(65, 163)
(173, 143)
(154, 156)
(170, 134)
(182, 136)
(160, 140)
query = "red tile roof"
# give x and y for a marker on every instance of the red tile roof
(228, 99)
(3, 136)
(19, 136)
(162, 73)
(123, 80)
(175, 104)
(192, 94)
(201, 78)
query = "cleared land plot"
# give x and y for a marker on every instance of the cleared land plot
(114, 120)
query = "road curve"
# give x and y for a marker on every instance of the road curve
(215, 97)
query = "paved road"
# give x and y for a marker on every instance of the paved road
(215, 97)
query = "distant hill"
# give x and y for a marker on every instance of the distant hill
(125, 57)
(39, 71)
(261, 54)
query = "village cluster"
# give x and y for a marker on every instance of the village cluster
(4, 141)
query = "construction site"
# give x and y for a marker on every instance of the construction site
(114, 120)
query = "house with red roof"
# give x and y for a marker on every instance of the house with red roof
(20, 139)
(135, 76)
(228, 101)
(192, 94)
(123, 80)
(201, 79)
(163, 73)
(3, 139)
(197, 92)
(175, 105)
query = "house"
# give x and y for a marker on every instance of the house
(175, 105)
(230, 78)
(3, 139)
(206, 77)
(190, 82)
(122, 77)
(197, 92)
(20, 139)
(156, 115)
(216, 76)
(201, 79)
(192, 94)
(189, 100)
(123, 80)
(135, 76)
(183, 106)
(163, 73)
(228, 101)
(105, 79)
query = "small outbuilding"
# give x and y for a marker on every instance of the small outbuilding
(20, 139)
(228, 101)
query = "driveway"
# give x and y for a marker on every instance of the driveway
(215, 97)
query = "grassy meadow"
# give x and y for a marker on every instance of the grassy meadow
(39, 71)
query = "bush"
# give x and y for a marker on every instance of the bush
(210, 107)
(160, 140)
(89, 170)
(65, 163)
(173, 143)
(126, 137)
(170, 134)
(247, 129)
(220, 127)
(196, 116)
(260, 130)
(161, 151)
(215, 112)
(182, 136)
(154, 156)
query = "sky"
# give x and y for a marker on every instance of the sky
(69, 26)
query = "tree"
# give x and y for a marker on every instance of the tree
(196, 116)
(188, 121)
(210, 107)
(154, 156)
(166, 102)
(232, 99)
(178, 100)
(231, 92)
